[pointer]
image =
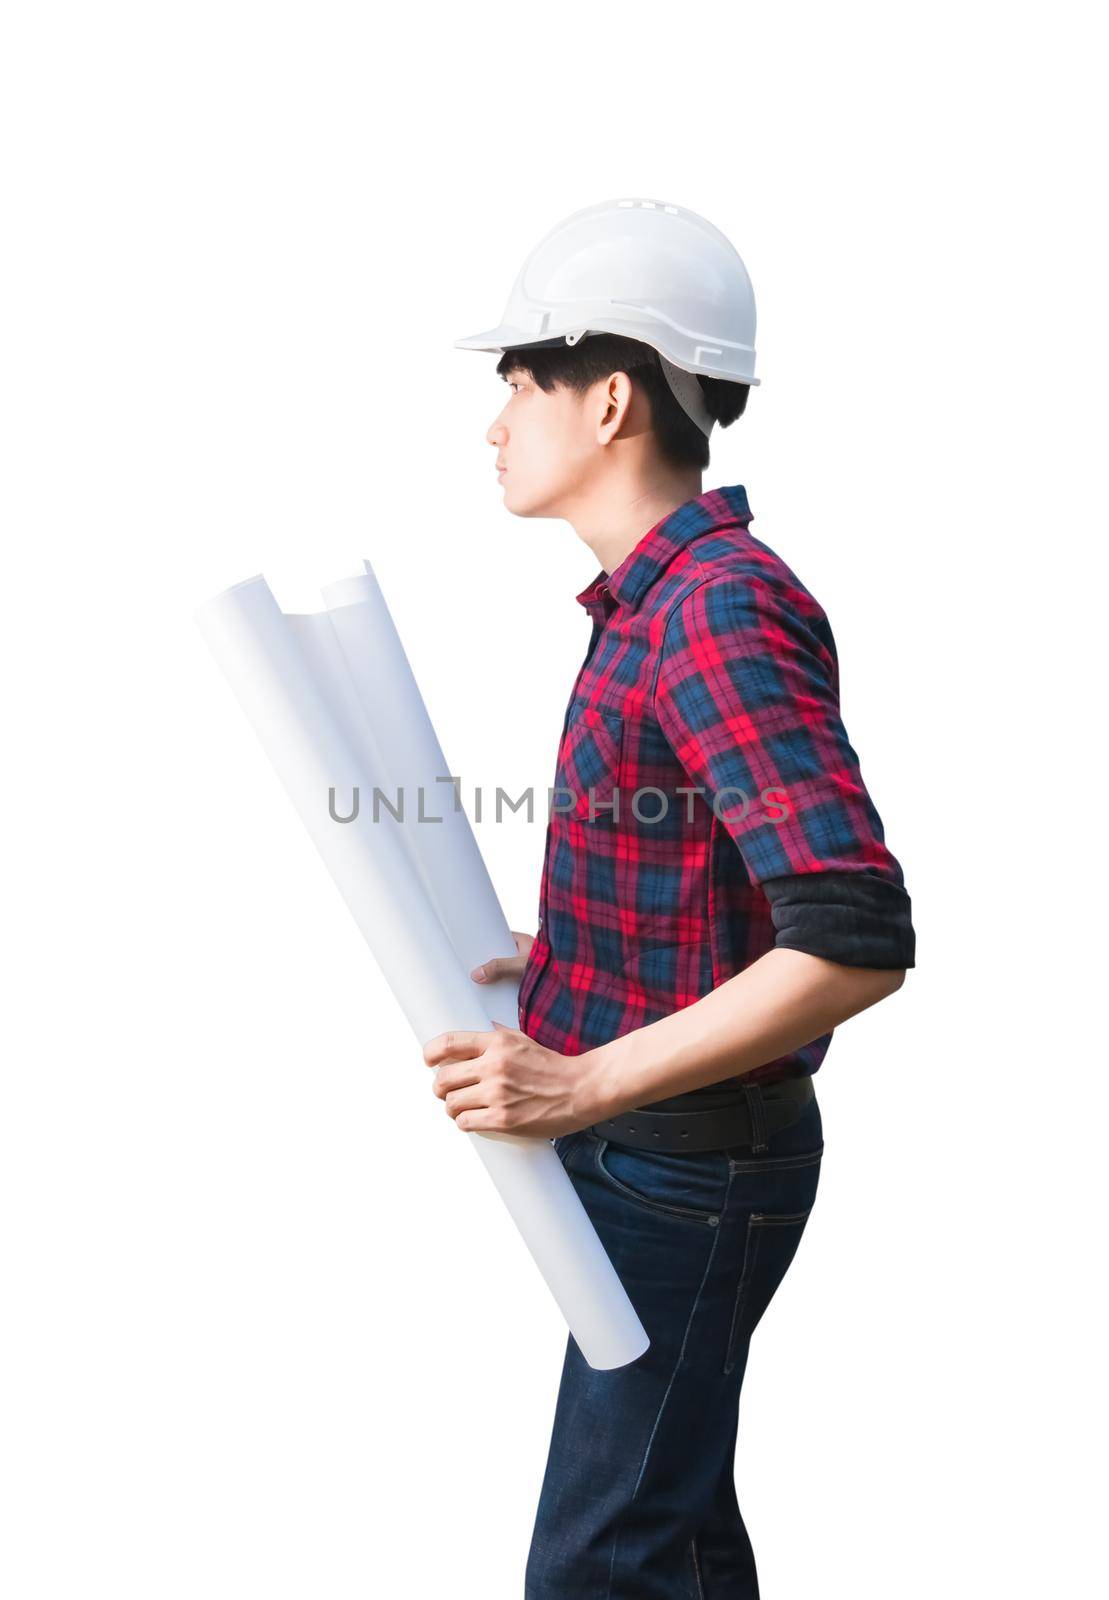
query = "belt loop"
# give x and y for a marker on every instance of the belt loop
(753, 1095)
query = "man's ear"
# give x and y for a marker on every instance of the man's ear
(616, 394)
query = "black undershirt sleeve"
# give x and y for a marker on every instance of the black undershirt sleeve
(851, 917)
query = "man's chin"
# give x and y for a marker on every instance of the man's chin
(522, 504)
(516, 501)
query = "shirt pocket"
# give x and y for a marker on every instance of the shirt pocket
(588, 775)
(585, 874)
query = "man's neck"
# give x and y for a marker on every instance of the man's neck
(614, 521)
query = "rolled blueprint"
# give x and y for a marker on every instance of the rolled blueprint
(292, 679)
(447, 852)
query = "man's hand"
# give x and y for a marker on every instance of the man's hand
(506, 966)
(504, 1082)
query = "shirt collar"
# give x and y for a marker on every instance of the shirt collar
(629, 581)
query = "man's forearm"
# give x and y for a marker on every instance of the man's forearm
(780, 1002)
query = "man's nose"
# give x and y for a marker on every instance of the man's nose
(497, 434)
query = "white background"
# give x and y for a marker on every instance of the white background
(268, 1330)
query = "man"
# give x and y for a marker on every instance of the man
(716, 895)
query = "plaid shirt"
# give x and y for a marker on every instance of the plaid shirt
(707, 804)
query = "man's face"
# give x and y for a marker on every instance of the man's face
(546, 443)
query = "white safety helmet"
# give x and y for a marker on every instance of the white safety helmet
(649, 271)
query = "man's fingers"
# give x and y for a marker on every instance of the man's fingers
(453, 1046)
(453, 1076)
(476, 1121)
(468, 1099)
(499, 967)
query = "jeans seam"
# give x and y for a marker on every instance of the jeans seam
(696, 1567)
(575, 1139)
(746, 1272)
(673, 1376)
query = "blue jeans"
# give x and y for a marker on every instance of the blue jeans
(638, 1499)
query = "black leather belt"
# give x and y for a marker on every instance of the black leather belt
(763, 1109)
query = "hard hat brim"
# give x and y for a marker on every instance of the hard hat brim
(508, 336)
(502, 338)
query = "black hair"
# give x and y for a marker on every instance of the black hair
(553, 363)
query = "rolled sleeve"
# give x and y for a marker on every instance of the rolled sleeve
(850, 917)
(747, 696)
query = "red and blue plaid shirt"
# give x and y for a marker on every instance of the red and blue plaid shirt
(707, 804)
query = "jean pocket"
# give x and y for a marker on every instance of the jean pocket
(787, 1163)
(692, 1187)
(772, 1240)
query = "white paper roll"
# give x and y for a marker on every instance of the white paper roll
(291, 677)
(447, 851)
